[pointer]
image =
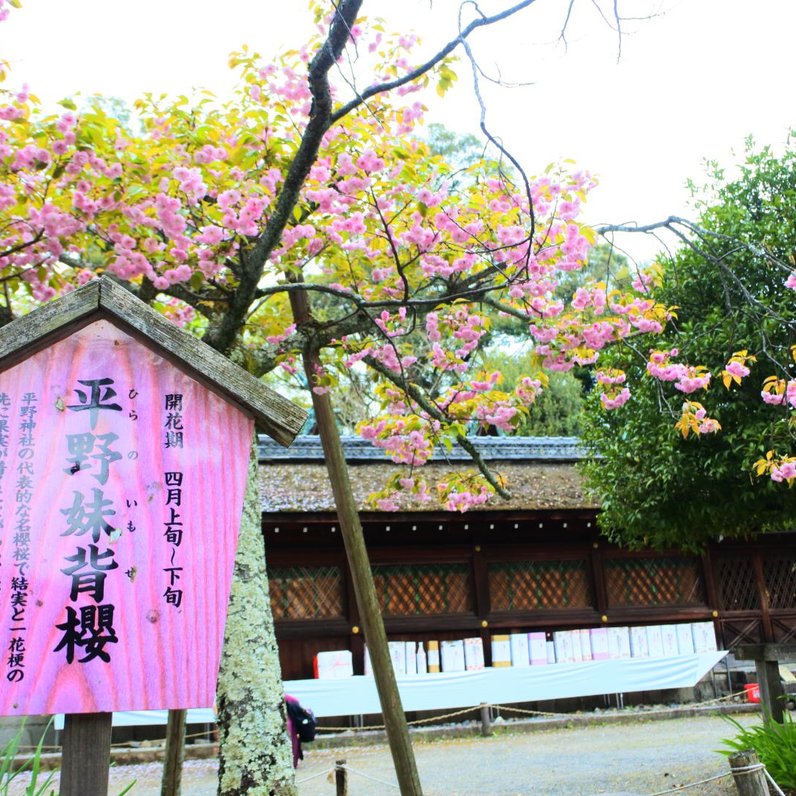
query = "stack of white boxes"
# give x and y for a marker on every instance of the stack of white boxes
(533, 649)
(603, 643)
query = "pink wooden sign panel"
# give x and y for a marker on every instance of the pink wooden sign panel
(121, 490)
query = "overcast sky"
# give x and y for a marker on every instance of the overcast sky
(691, 83)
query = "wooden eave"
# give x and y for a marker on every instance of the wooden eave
(100, 299)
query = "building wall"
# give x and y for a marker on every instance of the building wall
(440, 576)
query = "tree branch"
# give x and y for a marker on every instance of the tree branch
(380, 88)
(222, 337)
(432, 410)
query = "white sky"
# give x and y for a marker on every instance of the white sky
(691, 82)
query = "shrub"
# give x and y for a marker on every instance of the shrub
(775, 745)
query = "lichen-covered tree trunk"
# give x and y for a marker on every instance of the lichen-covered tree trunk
(255, 750)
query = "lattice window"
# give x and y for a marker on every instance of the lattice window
(654, 581)
(780, 577)
(423, 589)
(533, 585)
(735, 578)
(306, 592)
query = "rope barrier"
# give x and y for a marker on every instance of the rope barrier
(779, 790)
(439, 718)
(118, 745)
(315, 776)
(735, 771)
(525, 711)
(512, 709)
(372, 779)
(678, 788)
(428, 720)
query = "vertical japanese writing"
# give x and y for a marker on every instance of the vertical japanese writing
(174, 528)
(89, 626)
(173, 421)
(15, 662)
(5, 406)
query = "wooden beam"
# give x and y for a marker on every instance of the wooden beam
(765, 652)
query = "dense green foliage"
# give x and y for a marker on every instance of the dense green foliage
(656, 486)
(775, 745)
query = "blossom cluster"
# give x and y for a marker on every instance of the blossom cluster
(382, 223)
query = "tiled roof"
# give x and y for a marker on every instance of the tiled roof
(540, 473)
(524, 449)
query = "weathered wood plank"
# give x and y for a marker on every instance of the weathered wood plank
(748, 774)
(35, 330)
(276, 416)
(765, 652)
(86, 754)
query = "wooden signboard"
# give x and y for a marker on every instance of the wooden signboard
(124, 448)
(121, 486)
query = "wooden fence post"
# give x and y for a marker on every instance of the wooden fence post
(86, 754)
(341, 778)
(486, 722)
(749, 782)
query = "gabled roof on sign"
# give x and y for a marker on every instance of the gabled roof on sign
(274, 415)
(540, 473)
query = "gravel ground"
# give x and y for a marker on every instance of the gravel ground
(638, 759)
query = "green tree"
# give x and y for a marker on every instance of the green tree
(664, 485)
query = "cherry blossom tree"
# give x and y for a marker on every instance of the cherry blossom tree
(704, 448)
(306, 224)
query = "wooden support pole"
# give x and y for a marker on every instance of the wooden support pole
(359, 565)
(486, 721)
(340, 778)
(771, 690)
(86, 754)
(174, 757)
(749, 780)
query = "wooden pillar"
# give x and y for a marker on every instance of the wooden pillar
(597, 566)
(767, 658)
(86, 754)
(762, 591)
(359, 566)
(771, 691)
(749, 780)
(486, 722)
(171, 783)
(340, 778)
(481, 598)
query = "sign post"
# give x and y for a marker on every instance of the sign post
(85, 754)
(124, 448)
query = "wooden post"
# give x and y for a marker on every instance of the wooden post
(771, 691)
(86, 754)
(767, 658)
(749, 781)
(486, 722)
(341, 778)
(174, 754)
(359, 565)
